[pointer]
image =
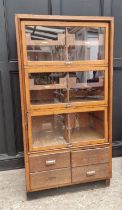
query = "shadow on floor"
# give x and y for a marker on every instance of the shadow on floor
(67, 189)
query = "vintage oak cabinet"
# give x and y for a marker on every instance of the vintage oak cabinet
(65, 70)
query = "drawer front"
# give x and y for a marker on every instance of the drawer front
(91, 173)
(46, 162)
(52, 178)
(90, 156)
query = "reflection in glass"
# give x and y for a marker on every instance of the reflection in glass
(48, 88)
(48, 130)
(86, 86)
(85, 43)
(45, 43)
(86, 126)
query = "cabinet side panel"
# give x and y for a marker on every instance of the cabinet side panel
(22, 94)
(110, 81)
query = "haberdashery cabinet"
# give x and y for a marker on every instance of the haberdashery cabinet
(65, 71)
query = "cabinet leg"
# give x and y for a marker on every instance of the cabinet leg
(28, 195)
(107, 181)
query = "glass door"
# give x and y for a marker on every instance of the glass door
(62, 89)
(50, 129)
(86, 43)
(48, 88)
(88, 127)
(64, 43)
(89, 86)
(47, 131)
(43, 43)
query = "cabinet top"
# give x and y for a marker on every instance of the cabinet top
(61, 17)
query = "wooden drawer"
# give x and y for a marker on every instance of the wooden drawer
(90, 156)
(52, 178)
(91, 173)
(51, 161)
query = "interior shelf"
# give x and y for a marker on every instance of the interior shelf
(86, 134)
(45, 139)
(60, 41)
(62, 85)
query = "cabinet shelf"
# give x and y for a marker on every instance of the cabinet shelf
(71, 41)
(51, 139)
(49, 86)
(64, 86)
(86, 134)
(59, 42)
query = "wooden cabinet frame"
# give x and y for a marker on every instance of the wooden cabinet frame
(28, 111)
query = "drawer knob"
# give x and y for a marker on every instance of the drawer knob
(50, 162)
(90, 173)
(68, 62)
(68, 105)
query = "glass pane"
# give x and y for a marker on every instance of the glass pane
(86, 86)
(45, 43)
(86, 43)
(49, 130)
(86, 126)
(48, 88)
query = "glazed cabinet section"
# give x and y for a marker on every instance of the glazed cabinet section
(66, 95)
(46, 42)
(63, 130)
(69, 88)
